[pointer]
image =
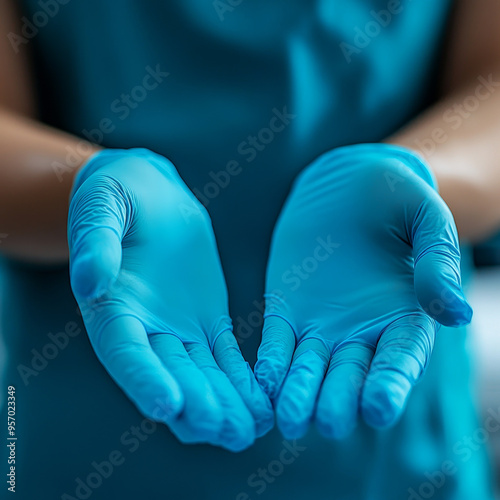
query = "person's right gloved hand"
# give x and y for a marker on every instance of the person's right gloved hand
(146, 273)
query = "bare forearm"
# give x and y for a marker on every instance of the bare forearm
(37, 167)
(460, 139)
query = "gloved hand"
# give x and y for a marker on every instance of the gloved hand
(364, 262)
(146, 273)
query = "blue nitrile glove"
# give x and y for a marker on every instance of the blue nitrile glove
(146, 273)
(364, 263)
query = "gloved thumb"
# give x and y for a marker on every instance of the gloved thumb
(96, 224)
(437, 265)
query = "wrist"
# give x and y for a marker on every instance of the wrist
(410, 158)
(103, 157)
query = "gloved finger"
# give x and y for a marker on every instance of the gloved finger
(402, 354)
(228, 356)
(202, 417)
(238, 428)
(274, 355)
(123, 348)
(96, 224)
(437, 264)
(297, 399)
(338, 403)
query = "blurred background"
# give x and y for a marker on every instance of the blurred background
(484, 295)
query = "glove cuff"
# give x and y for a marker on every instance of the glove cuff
(410, 158)
(106, 156)
(416, 163)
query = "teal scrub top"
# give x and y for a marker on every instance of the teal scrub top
(241, 95)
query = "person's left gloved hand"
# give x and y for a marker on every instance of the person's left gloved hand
(364, 263)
